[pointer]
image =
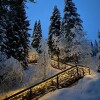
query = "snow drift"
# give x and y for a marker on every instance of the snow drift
(86, 89)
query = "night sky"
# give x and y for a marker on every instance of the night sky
(89, 11)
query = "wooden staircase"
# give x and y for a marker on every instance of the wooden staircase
(60, 80)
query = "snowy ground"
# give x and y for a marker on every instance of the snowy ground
(31, 76)
(35, 74)
(87, 88)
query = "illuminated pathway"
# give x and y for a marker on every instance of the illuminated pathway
(60, 80)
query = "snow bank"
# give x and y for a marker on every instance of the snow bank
(11, 72)
(35, 74)
(88, 88)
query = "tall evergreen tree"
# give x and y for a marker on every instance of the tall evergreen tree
(98, 52)
(37, 36)
(92, 48)
(20, 29)
(71, 19)
(71, 27)
(40, 37)
(54, 31)
(35, 28)
(96, 47)
(39, 30)
(16, 32)
(3, 22)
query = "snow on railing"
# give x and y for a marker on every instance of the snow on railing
(64, 66)
(60, 80)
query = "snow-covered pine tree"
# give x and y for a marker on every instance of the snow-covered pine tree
(35, 40)
(34, 29)
(92, 48)
(98, 55)
(95, 48)
(20, 31)
(16, 30)
(37, 36)
(40, 37)
(3, 23)
(71, 28)
(54, 31)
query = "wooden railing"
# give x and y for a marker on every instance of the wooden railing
(60, 80)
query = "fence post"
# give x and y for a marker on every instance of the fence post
(30, 95)
(57, 82)
(89, 71)
(77, 71)
(83, 72)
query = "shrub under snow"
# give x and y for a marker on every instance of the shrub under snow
(11, 72)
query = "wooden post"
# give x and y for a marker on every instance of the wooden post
(57, 82)
(77, 71)
(30, 95)
(83, 72)
(89, 71)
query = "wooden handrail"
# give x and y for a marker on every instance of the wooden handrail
(14, 95)
(37, 84)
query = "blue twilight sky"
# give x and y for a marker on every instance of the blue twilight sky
(89, 11)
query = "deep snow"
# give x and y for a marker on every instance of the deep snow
(87, 88)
